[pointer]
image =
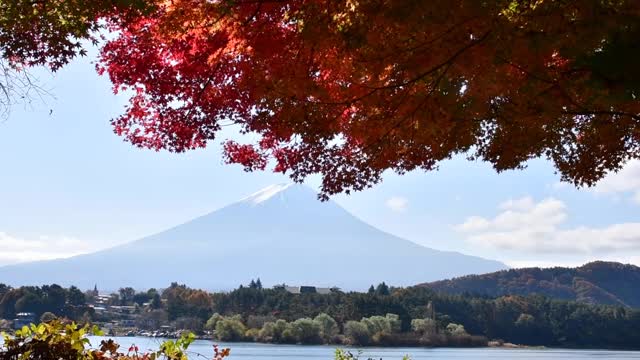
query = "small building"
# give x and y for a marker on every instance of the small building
(23, 319)
(123, 309)
(324, 291)
(292, 289)
(98, 309)
(307, 289)
(102, 299)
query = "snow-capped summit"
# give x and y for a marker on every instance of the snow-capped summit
(281, 234)
(266, 193)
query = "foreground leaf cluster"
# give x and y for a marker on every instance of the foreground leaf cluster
(56, 340)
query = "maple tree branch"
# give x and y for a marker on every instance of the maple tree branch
(408, 116)
(554, 84)
(526, 71)
(420, 76)
(242, 2)
(635, 117)
(447, 65)
(255, 13)
(427, 42)
(439, 66)
(195, 103)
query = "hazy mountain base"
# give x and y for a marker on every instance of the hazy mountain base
(281, 234)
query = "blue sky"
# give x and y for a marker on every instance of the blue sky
(69, 185)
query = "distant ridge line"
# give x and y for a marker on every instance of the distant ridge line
(598, 282)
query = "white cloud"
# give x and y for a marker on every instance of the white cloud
(530, 227)
(397, 203)
(474, 223)
(626, 181)
(15, 250)
(524, 203)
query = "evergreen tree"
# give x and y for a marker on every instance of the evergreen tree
(382, 289)
(156, 301)
(75, 296)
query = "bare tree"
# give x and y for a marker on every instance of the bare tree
(18, 86)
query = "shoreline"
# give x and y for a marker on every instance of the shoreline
(490, 345)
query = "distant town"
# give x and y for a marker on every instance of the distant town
(127, 313)
(128, 320)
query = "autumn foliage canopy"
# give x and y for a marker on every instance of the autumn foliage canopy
(350, 88)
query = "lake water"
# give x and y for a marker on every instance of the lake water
(295, 352)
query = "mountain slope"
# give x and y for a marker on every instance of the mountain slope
(280, 234)
(596, 283)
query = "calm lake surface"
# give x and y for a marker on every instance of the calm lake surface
(294, 352)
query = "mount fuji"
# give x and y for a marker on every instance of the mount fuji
(281, 234)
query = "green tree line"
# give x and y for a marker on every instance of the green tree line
(323, 329)
(420, 315)
(54, 299)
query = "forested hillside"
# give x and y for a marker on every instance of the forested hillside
(594, 283)
(383, 316)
